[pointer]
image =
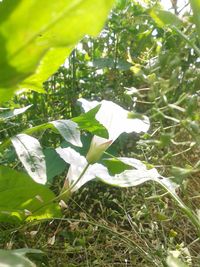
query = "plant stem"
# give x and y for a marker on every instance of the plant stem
(70, 188)
(63, 193)
(192, 216)
(187, 40)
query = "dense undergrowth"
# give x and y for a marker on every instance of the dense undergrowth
(151, 67)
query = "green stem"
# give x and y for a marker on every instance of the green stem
(187, 40)
(70, 188)
(65, 193)
(189, 213)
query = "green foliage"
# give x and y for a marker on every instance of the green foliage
(164, 18)
(88, 122)
(146, 60)
(102, 63)
(34, 39)
(54, 164)
(22, 199)
(17, 257)
(195, 4)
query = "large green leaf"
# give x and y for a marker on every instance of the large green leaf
(23, 199)
(195, 4)
(30, 153)
(55, 165)
(165, 18)
(37, 35)
(17, 257)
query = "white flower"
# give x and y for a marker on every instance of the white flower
(77, 165)
(116, 120)
(137, 175)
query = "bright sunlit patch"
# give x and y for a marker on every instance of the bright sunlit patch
(116, 120)
(182, 6)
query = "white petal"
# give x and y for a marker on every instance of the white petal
(74, 173)
(78, 163)
(135, 163)
(98, 170)
(70, 156)
(127, 178)
(115, 119)
(97, 141)
(131, 177)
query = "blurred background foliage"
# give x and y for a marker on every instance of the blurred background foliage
(150, 67)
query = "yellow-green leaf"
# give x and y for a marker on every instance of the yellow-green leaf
(36, 36)
(23, 199)
(195, 4)
(165, 18)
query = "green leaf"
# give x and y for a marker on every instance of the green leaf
(24, 251)
(88, 122)
(165, 18)
(101, 63)
(30, 153)
(36, 36)
(195, 4)
(116, 166)
(23, 199)
(12, 113)
(55, 165)
(17, 257)
(10, 258)
(68, 130)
